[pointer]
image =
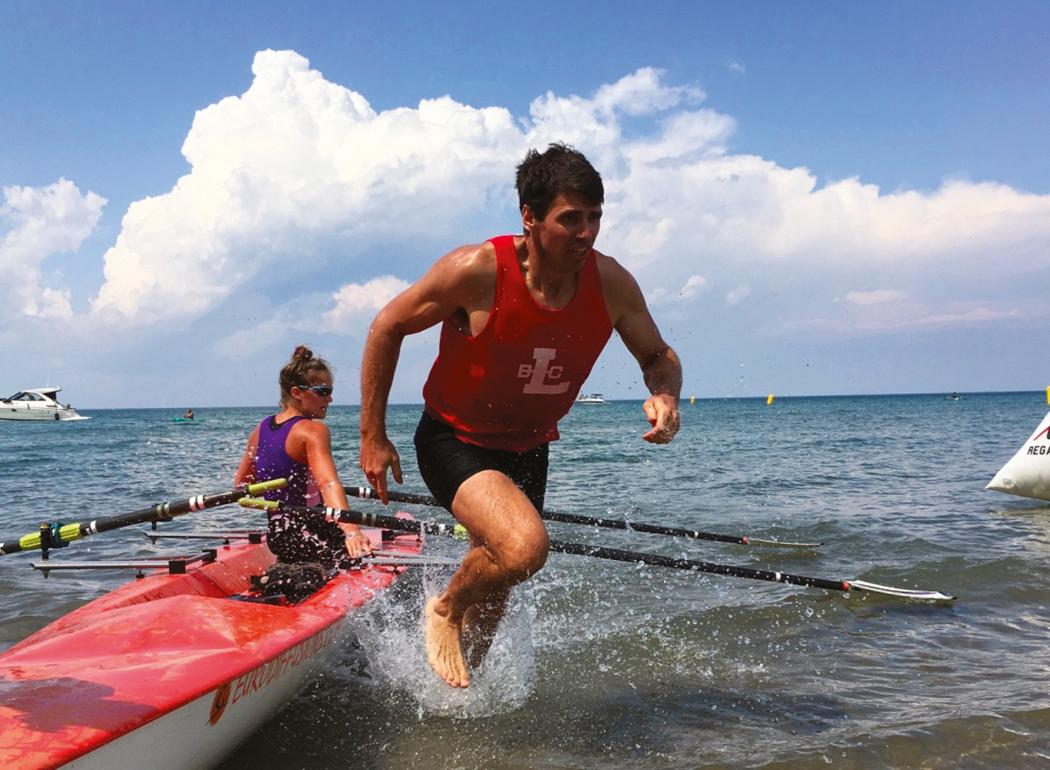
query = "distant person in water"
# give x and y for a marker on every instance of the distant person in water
(188, 415)
(294, 444)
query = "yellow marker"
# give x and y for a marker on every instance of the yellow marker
(1048, 394)
(692, 399)
(769, 399)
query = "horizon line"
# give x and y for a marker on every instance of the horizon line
(682, 399)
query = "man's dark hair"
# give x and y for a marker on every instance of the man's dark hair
(560, 169)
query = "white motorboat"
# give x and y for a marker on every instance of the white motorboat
(37, 404)
(590, 398)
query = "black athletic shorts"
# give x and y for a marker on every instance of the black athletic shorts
(445, 462)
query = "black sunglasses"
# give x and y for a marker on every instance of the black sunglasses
(324, 391)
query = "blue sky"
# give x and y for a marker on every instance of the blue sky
(816, 198)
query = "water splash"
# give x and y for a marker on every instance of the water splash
(390, 632)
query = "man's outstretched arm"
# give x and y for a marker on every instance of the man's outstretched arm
(661, 368)
(451, 284)
(381, 354)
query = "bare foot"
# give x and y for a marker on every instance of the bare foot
(444, 650)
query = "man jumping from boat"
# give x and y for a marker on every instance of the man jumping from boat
(524, 318)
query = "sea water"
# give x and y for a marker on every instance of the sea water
(613, 665)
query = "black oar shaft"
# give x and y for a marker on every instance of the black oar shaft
(56, 535)
(410, 525)
(657, 560)
(368, 493)
(634, 526)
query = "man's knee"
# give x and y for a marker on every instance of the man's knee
(524, 554)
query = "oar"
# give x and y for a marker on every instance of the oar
(570, 518)
(57, 535)
(430, 527)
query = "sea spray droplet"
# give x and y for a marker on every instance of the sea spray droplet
(391, 635)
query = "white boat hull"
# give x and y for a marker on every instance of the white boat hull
(590, 398)
(13, 412)
(188, 738)
(38, 404)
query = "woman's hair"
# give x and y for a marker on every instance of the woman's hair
(295, 373)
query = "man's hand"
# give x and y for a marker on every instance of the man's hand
(662, 412)
(376, 457)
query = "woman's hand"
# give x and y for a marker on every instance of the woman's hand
(357, 542)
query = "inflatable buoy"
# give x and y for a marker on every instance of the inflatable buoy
(1027, 474)
(770, 399)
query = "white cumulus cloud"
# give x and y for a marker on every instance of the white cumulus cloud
(693, 286)
(40, 222)
(354, 303)
(300, 175)
(292, 170)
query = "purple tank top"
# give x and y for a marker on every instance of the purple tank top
(273, 462)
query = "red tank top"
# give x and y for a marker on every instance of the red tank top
(507, 387)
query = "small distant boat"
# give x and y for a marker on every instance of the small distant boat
(954, 397)
(37, 404)
(590, 398)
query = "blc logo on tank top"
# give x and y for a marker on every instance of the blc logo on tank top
(539, 371)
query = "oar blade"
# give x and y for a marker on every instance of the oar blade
(900, 593)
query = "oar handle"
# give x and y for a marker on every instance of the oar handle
(58, 535)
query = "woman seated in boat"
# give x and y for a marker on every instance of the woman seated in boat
(294, 444)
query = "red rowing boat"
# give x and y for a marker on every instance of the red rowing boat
(174, 670)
